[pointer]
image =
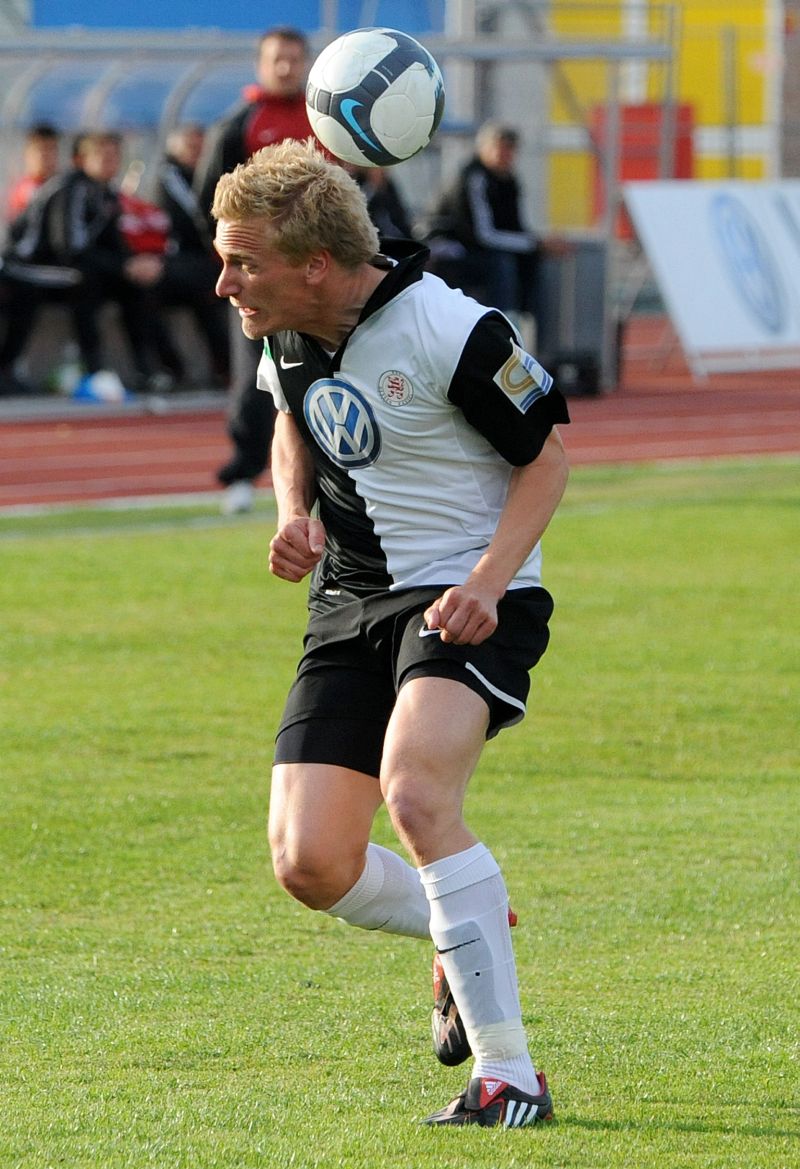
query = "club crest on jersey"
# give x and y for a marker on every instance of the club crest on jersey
(342, 422)
(522, 379)
(395, 388)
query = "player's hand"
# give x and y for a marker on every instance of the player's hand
(465, 614)
(296, 548)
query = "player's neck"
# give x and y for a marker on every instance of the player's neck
(342, 310)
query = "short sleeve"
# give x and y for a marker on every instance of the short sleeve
(504, 392)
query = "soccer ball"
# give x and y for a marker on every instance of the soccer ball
(374, 97)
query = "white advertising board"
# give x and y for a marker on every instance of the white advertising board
(726, 256)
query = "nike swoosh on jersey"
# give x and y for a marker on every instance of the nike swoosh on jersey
(288, 364)
(425, 632)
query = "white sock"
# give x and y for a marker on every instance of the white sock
(387, 896)
(469, 926)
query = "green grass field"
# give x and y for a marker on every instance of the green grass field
(162, 1003)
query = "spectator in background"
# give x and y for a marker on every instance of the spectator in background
(146, 229)
(477, 234)
(68, 247)
(273, 109)
(40, 163)
(384, 202)
(192, 267)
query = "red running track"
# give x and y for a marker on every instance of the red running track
(657, 413)
(78, 460)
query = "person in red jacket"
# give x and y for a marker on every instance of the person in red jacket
(273, 109)
(40, 163)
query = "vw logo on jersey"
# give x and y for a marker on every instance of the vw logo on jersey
(749, 261)
(342, 422)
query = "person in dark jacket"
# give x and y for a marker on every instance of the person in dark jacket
(477, 233)
(191, 267)
(67, 247)
(384, 202)
(273, 109)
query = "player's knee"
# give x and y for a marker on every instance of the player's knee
(315, 879)
(299, 875)
(417, 814)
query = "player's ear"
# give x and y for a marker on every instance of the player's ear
(317, 267)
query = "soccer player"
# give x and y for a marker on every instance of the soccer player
(416, 465)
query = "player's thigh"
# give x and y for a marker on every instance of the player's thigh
(433, 743)
(320, 817)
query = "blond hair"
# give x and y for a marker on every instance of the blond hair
(310, 203)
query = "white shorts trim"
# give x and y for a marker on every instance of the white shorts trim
(509, 698)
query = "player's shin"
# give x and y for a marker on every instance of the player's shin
(469, 925)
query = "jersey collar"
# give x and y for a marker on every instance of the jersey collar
(407, 263)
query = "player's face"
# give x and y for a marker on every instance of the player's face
(281, 67)
(270, 293)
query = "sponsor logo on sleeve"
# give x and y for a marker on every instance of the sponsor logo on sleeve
(522, 379)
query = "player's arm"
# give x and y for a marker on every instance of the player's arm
(467, 614)
(487, 235)
(507, 396)
(299, 541)
(534, 493)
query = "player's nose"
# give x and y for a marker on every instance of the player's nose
(227, 284)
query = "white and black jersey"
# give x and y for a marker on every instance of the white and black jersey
(414, 424)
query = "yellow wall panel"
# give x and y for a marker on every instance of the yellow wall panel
(570, 193)
(724, 68)
(585, 80)
(751, 167)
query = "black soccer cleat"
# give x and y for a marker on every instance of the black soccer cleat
(450, 1041)
(495, 1104)
(449, 1037)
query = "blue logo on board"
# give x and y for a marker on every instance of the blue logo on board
(750, 262)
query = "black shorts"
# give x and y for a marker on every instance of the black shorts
(360, 650)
